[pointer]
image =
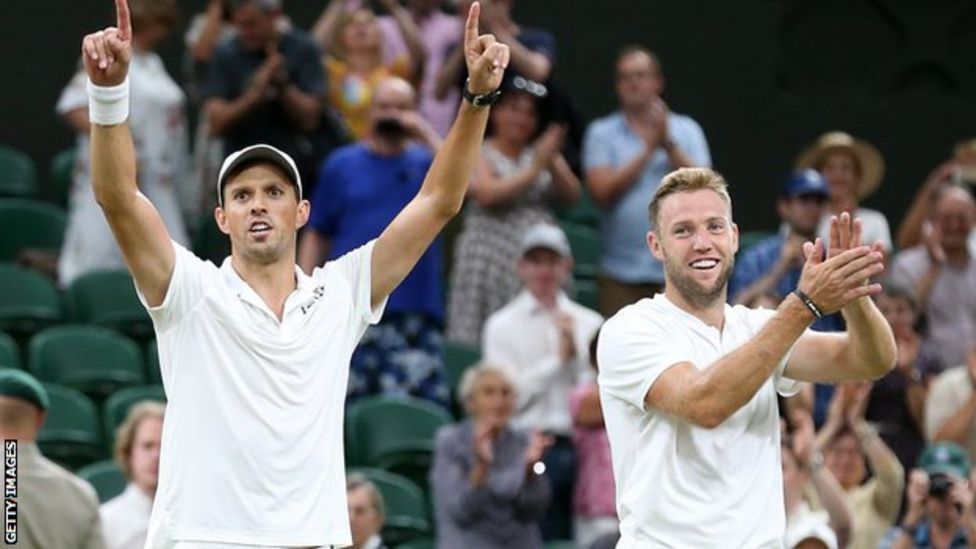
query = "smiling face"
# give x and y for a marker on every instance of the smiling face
(697, 241)
(840, 169)
(262, 214)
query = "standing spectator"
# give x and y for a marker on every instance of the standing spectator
(625, 155)
(896, 406)
(940, 502)
(514, 184)
(849, 444)
(361, 189)
(158, 122)
(366, 512)
(950, 409)
(439, 32)
(54, 508)
(266, 85)
(486, 477)
(853, 169)
(541, 338)
(354, 62)
(942, 271)
(125, 518)
(594, 507)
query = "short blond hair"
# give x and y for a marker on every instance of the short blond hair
(687, 180)
(126, 434)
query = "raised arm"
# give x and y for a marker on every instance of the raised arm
(137, 226)
(442, 194)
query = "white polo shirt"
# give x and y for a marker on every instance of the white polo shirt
(252, 440)
(679, 485)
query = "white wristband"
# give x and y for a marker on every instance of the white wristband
(108, 105)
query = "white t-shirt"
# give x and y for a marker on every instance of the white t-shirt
(125, 519)
(679, 485)
(252, 440)
(874, 227)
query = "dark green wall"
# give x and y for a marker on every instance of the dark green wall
(762, 77)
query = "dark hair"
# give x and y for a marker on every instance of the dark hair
(165, 12)
(631, 49)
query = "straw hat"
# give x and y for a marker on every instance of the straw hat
(868, 158)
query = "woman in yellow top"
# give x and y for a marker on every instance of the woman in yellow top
(352, 38)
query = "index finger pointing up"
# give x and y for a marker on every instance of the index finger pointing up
(470, 27)
(124, 22)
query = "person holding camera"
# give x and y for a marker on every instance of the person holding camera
(940, 501)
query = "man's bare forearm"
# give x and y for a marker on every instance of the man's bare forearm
(113, 166)
(871, 349)
(447, 181)
(608, 189)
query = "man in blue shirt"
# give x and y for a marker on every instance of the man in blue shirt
(625, 155)
(361, 188)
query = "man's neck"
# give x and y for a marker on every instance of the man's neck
(546, 300)
(385, 147)
(712, 314)
(273, 282)
(637, 113)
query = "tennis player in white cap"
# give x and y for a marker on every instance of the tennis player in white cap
(254, 353)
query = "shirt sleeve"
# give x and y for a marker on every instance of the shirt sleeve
(356, 268)
(633, 351)
(531, 379)
(187, 286)
(307, 71)
(692, 140)
(74, 95)
(597, 151)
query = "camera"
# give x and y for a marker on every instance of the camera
(939, 486)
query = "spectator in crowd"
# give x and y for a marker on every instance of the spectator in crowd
(54, 507)
(361, 188)
(942, 271)
(849, 445)
(950, 409)
(266, 85)
(366, 512)
(803, 467)
(853, 169)
(594, 507)
(515, 182)
(158, 123)
(354, 63)
(488, 483)
(125, 518)
(625, 155)
(541, 338)
(896, 405)
(533, 50)
(959, 170)
(940, 502)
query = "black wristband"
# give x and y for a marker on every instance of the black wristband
(808, 303)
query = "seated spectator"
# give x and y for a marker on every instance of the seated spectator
(354, 63)
(54, 508)
(950, 409)
(488, 485)
(361, 188)
(959, 170)
(266, 85)
(853, 169)
(803, 467)
(366, 512)
(625, 155)
(594, 503)
(541, 338)
(515, 182)
(849, 445)
(896, 406)
(942, 272)
(125, 518)
(158, 124)
(940, 502)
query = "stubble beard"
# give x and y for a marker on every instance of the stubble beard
(692, 291)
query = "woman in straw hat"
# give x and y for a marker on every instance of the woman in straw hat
(853, 169)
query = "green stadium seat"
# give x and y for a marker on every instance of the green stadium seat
(28, 224)
(28, 301)
(108, 298)
(380, 428)
(418, 544)
(9, 352)
(117, 407)
(584, 212)
(106, 477)
(406, 507)
(152, 363)
(458, 357)
(18, 176)
(209, 243)
(70, 435)
(560, 544)
(62, 171)
(585, 243)
(586, 293)
(93, 360)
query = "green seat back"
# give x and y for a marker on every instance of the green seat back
(62, 171)
(28, 301)
(152, 363)
(586, 293)
(106, 477)
(108, 298)
(379, 426)
(9, 352)
(458, 357)
(585, 243)
(18, 176)
(70, 434)
(406, 506)
(29, 224)
(117, 406)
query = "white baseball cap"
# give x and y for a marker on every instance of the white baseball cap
(546, 235)
(258, 152)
